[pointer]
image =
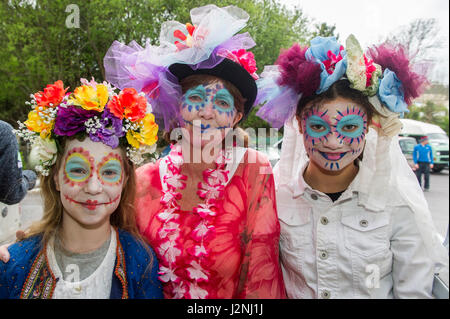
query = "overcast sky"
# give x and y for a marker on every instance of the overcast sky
(372, 20)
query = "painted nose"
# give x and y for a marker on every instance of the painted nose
(332, 141)
(207, 112)
(93, 186)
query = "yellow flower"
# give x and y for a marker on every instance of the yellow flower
(146, 134)
(37, 124)
(90, 98)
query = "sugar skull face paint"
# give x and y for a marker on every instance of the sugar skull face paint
(78, 166)
(334, 133)
(90, 181)
(110, 170)
(212, 108)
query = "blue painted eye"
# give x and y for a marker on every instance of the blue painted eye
(351, 126)
(317, 127)
(111, 172)
(77, 168)
(195, 95)
(224, 101)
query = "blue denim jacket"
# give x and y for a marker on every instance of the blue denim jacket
(27, 275)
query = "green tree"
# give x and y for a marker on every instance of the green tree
(324, 30)
(430, 113)
(39, 48)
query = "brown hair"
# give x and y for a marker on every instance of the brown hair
(340, 88)
(239, 101)
(124, 217)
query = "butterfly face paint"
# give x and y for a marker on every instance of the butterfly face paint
(90, 181)
(334, 133)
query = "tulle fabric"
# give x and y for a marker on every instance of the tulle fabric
(280, 101)
(245, 251)
(142, 69)
(147, 69)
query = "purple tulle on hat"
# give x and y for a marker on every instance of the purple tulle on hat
(127, 66)
(146, 70)
(280, 101)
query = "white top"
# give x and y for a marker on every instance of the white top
(342, 250)
(96, 286)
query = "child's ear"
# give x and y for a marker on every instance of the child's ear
(299, 123)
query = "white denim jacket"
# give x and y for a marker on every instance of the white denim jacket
(343, 250)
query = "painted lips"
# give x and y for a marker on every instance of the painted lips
(90, 204)
(333, 156)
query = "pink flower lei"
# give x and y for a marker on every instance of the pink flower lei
(211, 189)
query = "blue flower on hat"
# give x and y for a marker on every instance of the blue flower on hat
(332, 58)
(391, 93)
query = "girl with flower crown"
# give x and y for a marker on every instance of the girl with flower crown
(208, 208)
(87, 244)
(354, 221)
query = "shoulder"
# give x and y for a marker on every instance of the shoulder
(147, 170)
(138, 251)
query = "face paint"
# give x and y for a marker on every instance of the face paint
(351, 124)
(109, 170)
(334, 133)
(194, 99)
(90, 182)
(211, 108)
(91, 204)
(78, 166)
(224, 102)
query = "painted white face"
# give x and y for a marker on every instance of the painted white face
(210, 109)
(90, 181)
(334, 133)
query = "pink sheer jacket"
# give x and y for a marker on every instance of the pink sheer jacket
(244, 253)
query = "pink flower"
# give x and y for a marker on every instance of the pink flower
(247, 61)
(202, 231)
(333, 60)
(196, 292)
(370, 68)
(167, 274)
(196, 272)
(204, 210)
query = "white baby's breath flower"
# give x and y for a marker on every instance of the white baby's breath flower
(43, 153)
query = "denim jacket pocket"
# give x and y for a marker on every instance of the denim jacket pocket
(366, 234)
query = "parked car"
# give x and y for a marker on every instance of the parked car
(407, 146)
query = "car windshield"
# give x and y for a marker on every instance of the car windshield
(437, 136)
(407, 145)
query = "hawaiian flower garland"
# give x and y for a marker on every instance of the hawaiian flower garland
(94, 110)
(169, 249)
